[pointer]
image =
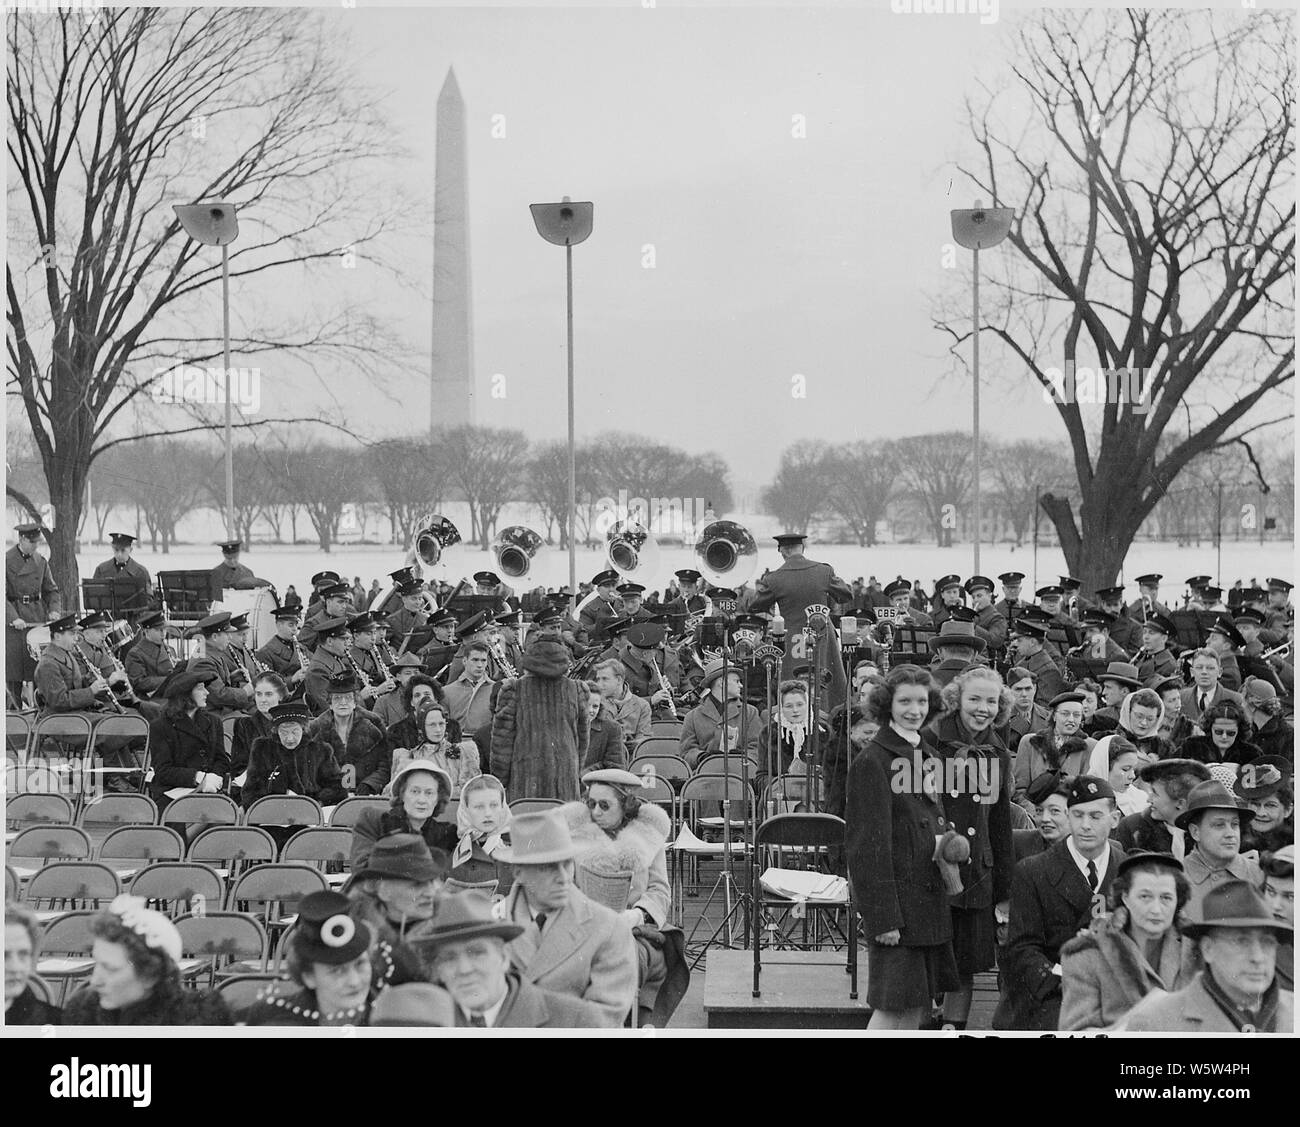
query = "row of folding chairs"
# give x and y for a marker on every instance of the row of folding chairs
(57, 752)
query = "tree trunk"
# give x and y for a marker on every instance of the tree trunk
(66, 493)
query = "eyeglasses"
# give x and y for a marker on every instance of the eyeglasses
(599, 804)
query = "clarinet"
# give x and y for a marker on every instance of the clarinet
(93, 673)
(663, 684)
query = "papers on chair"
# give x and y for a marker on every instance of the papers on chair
(687, 842)
(327, 812)
(52, 968)
(717, 821)
(800, 884)
(179, 792)
(239, 782)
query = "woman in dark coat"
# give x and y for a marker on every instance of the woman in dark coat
(1226, 738)
(975, 703)
(413, 811)
(22, 944)
(136, 980)
(1059, 747)
(287, 762)
(268, 690)
(605, 746)
(359, 744)
(894, 813)
(483, 822)
(186, 743)
(540, 730)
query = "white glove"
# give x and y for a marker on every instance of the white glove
(19, 624)
(210, 784)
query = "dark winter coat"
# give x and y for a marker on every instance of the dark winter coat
(181, 746)
(309, 769)
(374, 824)
(1141, 833)
(891, 831)
(1203, 749)
(605, 746)
(540, 731)
(163, 1007)
(366, 751)
(1050, 904)
(1275, 738)
(984, 816)
(28, 1009)
(247, 730)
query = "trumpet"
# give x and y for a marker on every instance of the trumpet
(1283, 651)
(663, 684)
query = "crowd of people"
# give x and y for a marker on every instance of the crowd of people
(1093, 799)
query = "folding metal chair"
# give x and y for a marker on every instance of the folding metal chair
(284, 810)
(222, 943)
(785, 793)
(67, 886)
(18, 735)
(133, 848)
(228, 848)
(349, 811)
(241, 992)
(800, 841)
(202, 810)
(700, 793)
(23, 810)
(668, 729)
(56, 735)
(66, 945)
(325, 847)
(177, 887)
(487, 887)
(609, 889)
(40, 989)
(133, 728)
(12, 885)
(272, 892)
(228, 732)
(657, 789)
(112, 810)
(533, 805)
(48, 843)
(671, 767)
(658, 745)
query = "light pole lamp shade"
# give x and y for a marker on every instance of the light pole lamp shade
(565, 223)
(212, 223)
(979, 228)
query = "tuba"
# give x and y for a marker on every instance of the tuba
(632, 551)
(515, 550)
(727, 554)
(432, 539)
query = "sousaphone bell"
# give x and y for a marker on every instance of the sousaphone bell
(632, 551)
(432, 539)
(727, 554)
(515, 550)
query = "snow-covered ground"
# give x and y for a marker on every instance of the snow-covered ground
(285, 565)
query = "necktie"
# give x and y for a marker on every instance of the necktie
(478, 1021)
(1092, 875)
(540, 921)
(1204, 699)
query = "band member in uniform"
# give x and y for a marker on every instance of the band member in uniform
(336, 602)
(632, 594)
(64, 682)
(1062, 629)
(1148, 601)
(319, 582)
(1098, 648)
(1125, 631)
(1010, 605)
(231, 574)
(1027, 652)
(31, 598)
(94, 629)
(230, 693)
(131, 577)
(149, 662)
(990, 624)
(1195, 597)
(489, 583)
(1157, 661)
(1280, 611)
(600, 612)
(438, 653)
(328, 663)
(362, 654)
(410, 616)
(798, 584)
(280, 654)
(947, 593)
(237, 647)
(640, 658)
(1075, 603)
(690, 601)
(899, 593)
(1225, 640)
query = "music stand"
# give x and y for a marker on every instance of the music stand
(1192, 626)
(464, 607)
(118, 596)
(186, 594)
(911, 646)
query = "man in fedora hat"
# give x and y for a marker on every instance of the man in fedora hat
(1238, 991)
(1027, 651)
(721, 708)
(467, 951)
(1054, 895)
(1213, 822)
(567, 942)
(955, 646)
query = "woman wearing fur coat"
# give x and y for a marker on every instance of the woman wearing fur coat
(615, 831)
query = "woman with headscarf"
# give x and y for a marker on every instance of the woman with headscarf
(458, 758)
(617, 831)
(1117, 759)
(483, 821)
(786, 746)
(977, 800)
(136, 979)
(1046, 750)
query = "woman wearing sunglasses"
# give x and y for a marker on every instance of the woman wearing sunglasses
(616, 831)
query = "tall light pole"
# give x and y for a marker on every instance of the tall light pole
(976, 228)
(566, 224)
(214, 224)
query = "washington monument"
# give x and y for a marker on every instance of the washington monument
(451, 372)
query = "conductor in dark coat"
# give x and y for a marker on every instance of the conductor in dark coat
(1053, 898)
(893, 814)
(797, 584)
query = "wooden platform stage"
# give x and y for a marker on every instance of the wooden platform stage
(800, 990)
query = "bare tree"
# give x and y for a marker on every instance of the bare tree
(411, 474)
(797, 494)
(323, 479)
(484, 464)
(1021, 472)
(937, 472)
(104, 112)
(860, 479)
(165, 479)
(1153, 186)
